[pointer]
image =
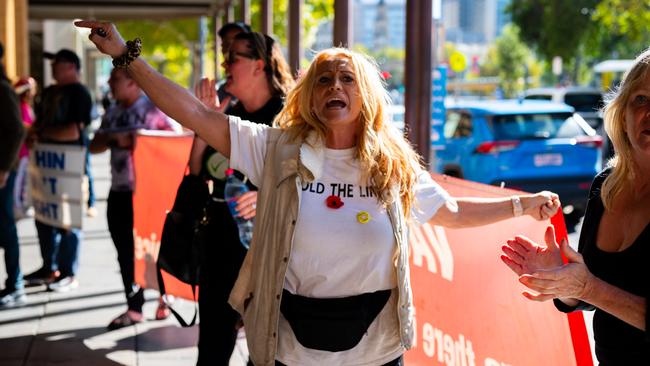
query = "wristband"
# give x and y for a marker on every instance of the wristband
(133, 49)
(517, 209)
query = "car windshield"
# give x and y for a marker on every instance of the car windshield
(535, 126)
(584, 102)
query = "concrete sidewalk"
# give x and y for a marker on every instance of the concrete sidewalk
(70, 328)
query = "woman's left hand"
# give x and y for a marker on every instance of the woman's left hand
(542, 205)
(247, 205)
(571, 280)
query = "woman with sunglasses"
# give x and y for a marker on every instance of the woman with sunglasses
(258, 76)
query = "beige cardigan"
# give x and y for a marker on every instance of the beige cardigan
(258, 290)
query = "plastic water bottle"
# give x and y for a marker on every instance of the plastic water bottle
(235, 188)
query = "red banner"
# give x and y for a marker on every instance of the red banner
(469, 307)
(160, 160)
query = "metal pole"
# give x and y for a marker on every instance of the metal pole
(267, 16)
(342, 23)
(218, 23)
(245, 11)
(230, 12)
(418, 75)
(295, 32)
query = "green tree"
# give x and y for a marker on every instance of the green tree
(168, 45)
(511, 61)
(554, 27)
(621, 29)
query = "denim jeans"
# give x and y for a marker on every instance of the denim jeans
(89, 174)
(9, 235)
(59, 248)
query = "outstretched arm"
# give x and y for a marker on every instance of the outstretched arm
(468, 212)
(174, 100)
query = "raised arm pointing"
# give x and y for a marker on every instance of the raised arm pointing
(171, 98)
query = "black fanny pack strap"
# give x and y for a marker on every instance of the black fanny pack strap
(333, 324)
(181, 321)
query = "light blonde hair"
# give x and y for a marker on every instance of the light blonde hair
(386, 157)
(622, 164)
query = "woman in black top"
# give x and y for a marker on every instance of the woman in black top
(259, 77)
(611, 272)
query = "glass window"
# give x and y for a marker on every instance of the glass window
(535, 126)
(458, 124)
(584, 102)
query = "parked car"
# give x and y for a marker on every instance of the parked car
(523, 144)
(587, 101)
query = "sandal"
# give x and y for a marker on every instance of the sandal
(163, 311)
(124, 320)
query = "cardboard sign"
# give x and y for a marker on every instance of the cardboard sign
(469, 307)
(58, 184)
(159, 159)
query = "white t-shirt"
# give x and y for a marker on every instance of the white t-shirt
(335, 253)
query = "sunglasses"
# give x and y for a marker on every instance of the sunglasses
(259, 43)
(229, 58)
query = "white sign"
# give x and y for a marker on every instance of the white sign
(58, 184)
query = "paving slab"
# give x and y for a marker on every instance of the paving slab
(69, 329)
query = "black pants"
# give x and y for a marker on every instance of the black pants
(396, 362)
(221, 257)
(119, 213)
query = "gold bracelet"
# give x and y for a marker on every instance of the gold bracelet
(133, 49)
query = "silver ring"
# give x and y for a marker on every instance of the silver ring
(254, 206)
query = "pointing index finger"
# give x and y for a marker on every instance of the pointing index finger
(87, 23)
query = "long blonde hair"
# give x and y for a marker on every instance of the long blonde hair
(622, 164)
(387, 158)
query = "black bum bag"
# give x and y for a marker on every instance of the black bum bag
(334, 324)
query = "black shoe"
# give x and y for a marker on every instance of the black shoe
(42, 276)
(12, 298)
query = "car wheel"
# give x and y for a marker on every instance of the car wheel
(453, 171)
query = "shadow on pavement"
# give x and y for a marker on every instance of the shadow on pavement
(72, 347)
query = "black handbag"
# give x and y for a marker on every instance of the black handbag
(179, 244)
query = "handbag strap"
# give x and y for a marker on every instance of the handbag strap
(161, 287)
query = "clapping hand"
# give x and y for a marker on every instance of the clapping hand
(524, 256)
(541, 269)
(206, 92)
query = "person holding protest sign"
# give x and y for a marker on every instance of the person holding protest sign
(133, 111)
(310, 294)
(609, 273)
(62, 114)
(12, 133)
(258, 76)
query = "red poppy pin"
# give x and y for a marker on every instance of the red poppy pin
(334, 202)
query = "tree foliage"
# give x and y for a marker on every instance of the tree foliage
(583, 32)
(170, 45)
(621, 29)
(511, 61)
(553, 27)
